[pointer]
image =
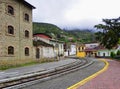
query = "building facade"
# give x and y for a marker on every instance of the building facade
(103, 52)
(42, 46)
(15, 29)
(46, 47)
(81, 50)
(58, 47)
(87, 50)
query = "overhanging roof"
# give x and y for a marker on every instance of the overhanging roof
(27, 4)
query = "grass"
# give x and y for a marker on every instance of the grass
(118, 59)
(7, 64)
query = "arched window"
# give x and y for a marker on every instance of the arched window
(26, 51)
(26, 17)
(11, 10)
(82, 48)
(26, 33)
(11, 30)
(10, 50)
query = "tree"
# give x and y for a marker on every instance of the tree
(98, 36)
(112, 54)
(110, 32)
(118, 52)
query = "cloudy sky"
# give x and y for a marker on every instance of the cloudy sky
(74, 13)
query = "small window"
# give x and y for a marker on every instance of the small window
(26, 33)
(26, 51)
(11, 30)
(10, 50)
(82, 48)
(26, 17)
(11, 10)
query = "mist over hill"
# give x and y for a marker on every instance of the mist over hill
(66, 35)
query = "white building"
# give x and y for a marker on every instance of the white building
(46, 47)
(58, 47)
(42, 46)
(70, 50)
(91, 45)
(103, 52)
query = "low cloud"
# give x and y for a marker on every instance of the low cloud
(74, 13)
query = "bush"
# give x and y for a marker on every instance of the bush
(112, 54)
(117, 57)
(118, 52)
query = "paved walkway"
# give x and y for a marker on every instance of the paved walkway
(33, 68)
(110, 79)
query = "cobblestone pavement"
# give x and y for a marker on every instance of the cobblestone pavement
(110, 79)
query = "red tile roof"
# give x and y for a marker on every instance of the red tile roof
(41, 35)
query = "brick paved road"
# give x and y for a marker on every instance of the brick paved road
(109, 79)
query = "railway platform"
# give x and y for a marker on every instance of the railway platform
(15, 72)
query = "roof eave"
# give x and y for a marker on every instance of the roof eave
(28, 4)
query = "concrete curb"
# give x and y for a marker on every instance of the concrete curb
(75, 86)
(38, 72)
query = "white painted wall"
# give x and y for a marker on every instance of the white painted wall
(72, 49)
(91, 45)
(41, 39)
(105, 53)
(66, 53)
(60, 49)
(45, 52)
(48, 52)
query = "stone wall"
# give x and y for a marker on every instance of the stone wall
(18, 39)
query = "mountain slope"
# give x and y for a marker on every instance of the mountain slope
(74, 35)
(83, 36)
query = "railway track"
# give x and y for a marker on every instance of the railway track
(22, 80)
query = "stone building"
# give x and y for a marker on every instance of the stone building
(16, 29)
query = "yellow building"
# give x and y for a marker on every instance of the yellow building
(81, 50)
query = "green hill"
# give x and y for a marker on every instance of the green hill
(83, 36)
(45, 28)
(51, 30)
(74, 35)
